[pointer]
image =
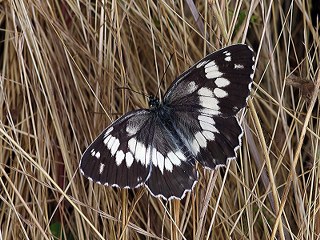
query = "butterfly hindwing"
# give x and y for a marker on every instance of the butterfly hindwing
(172, 170)
(212, 139)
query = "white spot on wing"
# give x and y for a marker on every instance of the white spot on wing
(101, 168)
(205, 92)
(111, 141)
(220, 93)
(208, 126)
(212, 70)
(148, 155)
(191, 87)
(211, 64)
(140, 153)
(201, 139)
(222, 82)
(211, 103)
(154, 157)
(129, 159)
(208, 135)
(115, 147)
(174, 159)
(200, 64)
(132, 145)
(180, 155)
(131, 130)
(168, 165)
(227, 53)
(160, 160)
(106, 140)
(206, 119)
(205, 102)
(238, 66)
(93, 152)
(108, 131)
(210, 111)
(195, 146)
(98, 155)
(228, 58)
(119, 157)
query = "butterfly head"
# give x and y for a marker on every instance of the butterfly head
(153, 102)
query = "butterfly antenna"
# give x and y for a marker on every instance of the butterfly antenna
(130, 89)
(162, 79)
(158, 90)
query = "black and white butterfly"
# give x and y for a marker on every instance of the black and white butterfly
(195, 121)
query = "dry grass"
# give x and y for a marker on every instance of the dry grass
(62, 63)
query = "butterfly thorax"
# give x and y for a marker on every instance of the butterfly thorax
(154, 102)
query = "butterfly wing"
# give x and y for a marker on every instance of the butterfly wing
(138, 148)
(116, 157)
(172, 170)
(205, 99)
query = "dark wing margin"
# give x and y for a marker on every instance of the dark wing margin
(205, 99)
(117, 157)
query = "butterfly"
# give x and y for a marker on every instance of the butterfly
(195, 122)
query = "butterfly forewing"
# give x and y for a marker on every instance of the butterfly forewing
(116, 156)
(196, 121)
(219, 84)
(141, 148)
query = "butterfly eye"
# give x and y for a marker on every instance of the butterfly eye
(196, 121)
